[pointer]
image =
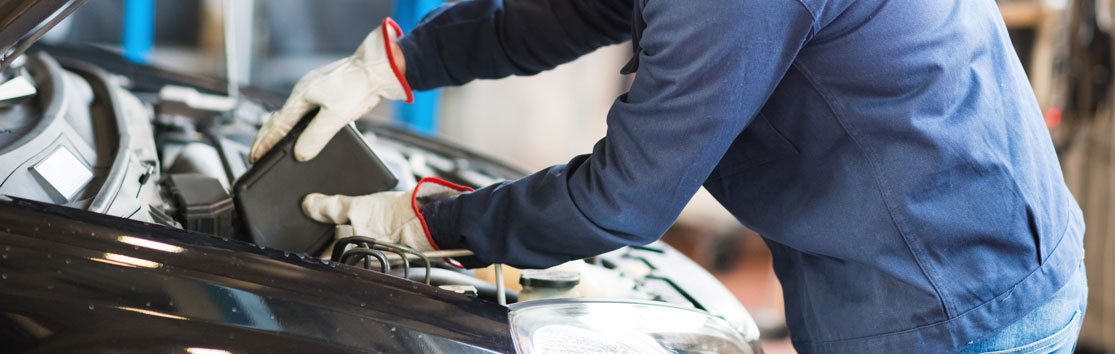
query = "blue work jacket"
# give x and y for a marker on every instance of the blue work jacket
(891, 153)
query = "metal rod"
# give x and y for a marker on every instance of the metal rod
(434, 254)
(501, 292)
(6, 59)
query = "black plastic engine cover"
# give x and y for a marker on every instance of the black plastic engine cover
(269, 196)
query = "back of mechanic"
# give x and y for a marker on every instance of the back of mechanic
(891, 153)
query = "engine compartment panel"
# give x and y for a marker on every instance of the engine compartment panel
(156, 155)
(83, 142)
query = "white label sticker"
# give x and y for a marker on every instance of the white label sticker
(64, 172)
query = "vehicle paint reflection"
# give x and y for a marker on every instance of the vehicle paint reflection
(206, 351)
(145, 243)
(126, 261)
(151, 313)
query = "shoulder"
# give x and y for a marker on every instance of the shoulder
(714, 11)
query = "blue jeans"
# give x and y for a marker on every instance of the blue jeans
(1051, 328)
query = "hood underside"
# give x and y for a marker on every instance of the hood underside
(22, 22)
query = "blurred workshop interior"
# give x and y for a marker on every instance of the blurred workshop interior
(1065, 46)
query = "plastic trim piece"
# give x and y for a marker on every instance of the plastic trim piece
(98, 81)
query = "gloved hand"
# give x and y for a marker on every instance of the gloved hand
(345, 90)
(390, 216)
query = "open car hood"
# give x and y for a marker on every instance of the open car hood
(22, 22)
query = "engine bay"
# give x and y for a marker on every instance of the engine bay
(94, 140)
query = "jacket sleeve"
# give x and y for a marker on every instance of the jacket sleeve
(488, 39)
(705, 70)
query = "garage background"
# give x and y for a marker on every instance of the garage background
(1065, 45)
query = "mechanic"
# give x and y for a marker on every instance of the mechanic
(891, 153)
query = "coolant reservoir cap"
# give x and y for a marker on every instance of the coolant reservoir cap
(549, 278)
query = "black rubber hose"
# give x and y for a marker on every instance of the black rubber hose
(339, 246)
(385, 265)
(402, 255)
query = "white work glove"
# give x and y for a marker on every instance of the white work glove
(389, 216)
(345, 90)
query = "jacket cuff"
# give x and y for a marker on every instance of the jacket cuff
(442, 230)
(429, 190)
(439, 223)
(418, 59)
(389, 27)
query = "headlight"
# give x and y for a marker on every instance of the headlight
(619, 326)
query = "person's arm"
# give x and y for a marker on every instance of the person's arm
(706, 69)
(488, 39)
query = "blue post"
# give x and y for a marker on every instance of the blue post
(422, 114)
(139, 29)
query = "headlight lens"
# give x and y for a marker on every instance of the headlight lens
(609, 326)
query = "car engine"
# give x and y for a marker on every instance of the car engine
(97, 140)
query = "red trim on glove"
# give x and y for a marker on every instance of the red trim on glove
(418, 212)
(388, 22)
